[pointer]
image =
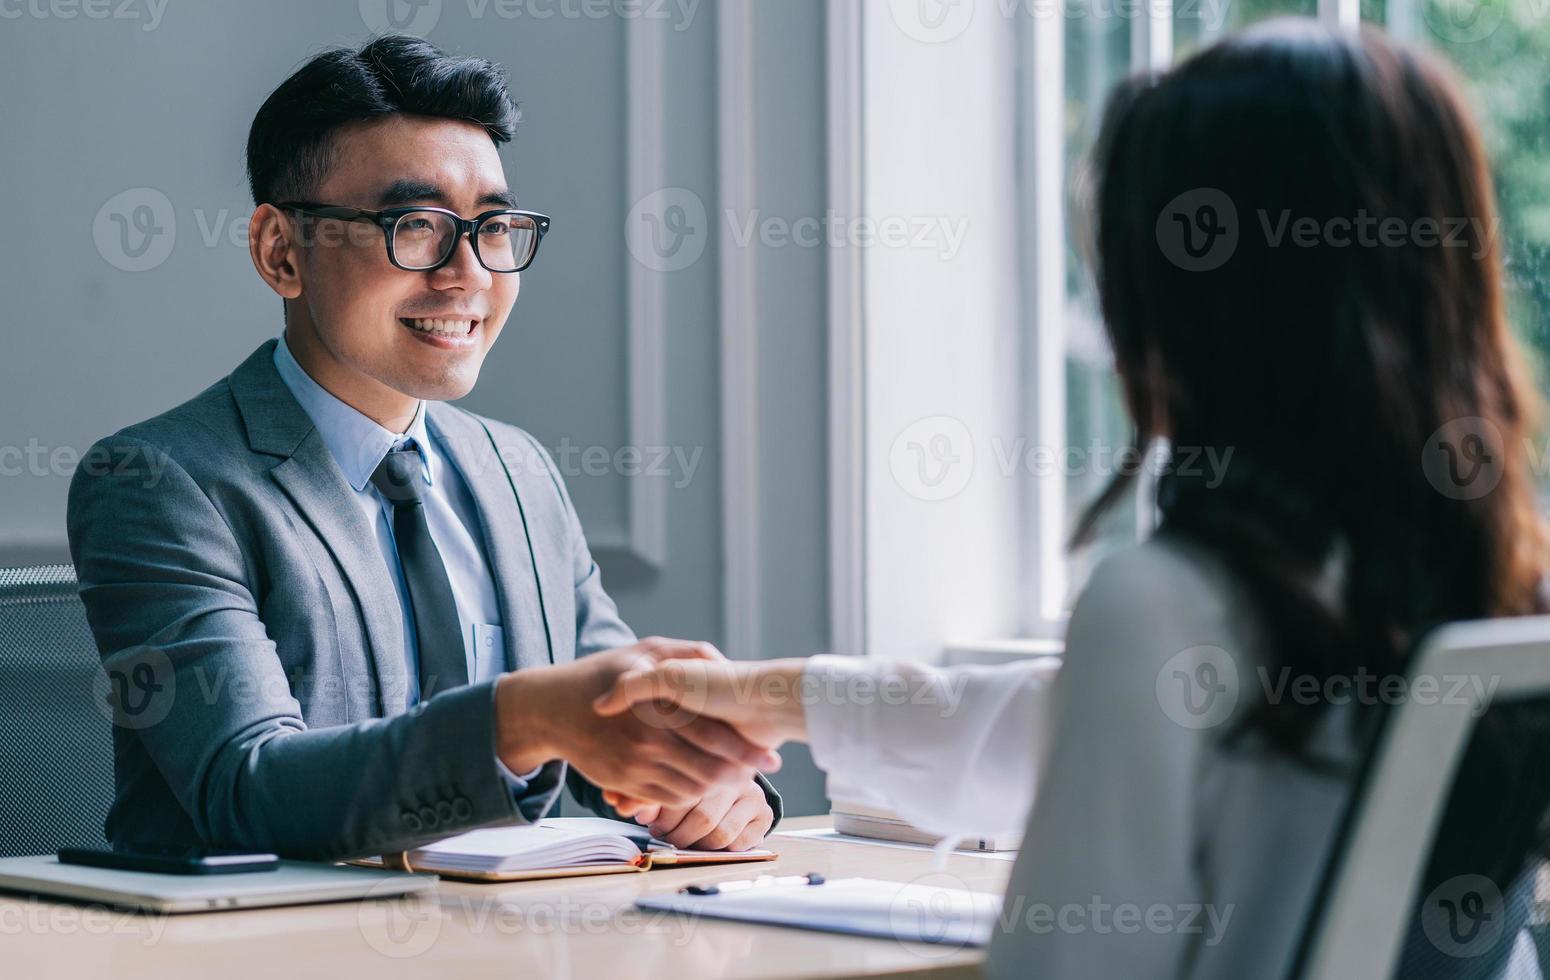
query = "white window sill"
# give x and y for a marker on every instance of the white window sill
(1001, 651)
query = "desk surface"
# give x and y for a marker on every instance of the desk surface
(579, 927)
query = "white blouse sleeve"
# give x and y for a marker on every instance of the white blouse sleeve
(954, 751)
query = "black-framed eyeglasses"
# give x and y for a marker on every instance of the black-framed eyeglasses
(421, 239)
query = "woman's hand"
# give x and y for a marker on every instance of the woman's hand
(762, 701)
(667, 756)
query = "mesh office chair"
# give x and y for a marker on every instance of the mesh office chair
(56, 747)
(1375, 913)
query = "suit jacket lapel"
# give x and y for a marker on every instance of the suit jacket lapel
(277, 425)
(514, 561)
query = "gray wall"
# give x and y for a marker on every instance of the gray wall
(155, 106)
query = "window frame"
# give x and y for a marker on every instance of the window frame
(1043, 575)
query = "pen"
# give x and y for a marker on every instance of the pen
(763, 880)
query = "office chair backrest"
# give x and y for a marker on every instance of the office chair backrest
(56, 746)
(1369, 918)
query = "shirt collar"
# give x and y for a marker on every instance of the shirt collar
(356, 442)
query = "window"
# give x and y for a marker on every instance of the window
(1497, 49)
(970, 365)
(1501, 50)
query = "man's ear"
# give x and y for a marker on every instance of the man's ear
(273, 248)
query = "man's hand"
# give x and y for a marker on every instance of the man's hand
(728, 818)
(664, 757)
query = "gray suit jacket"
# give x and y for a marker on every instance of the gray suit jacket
(243, 609)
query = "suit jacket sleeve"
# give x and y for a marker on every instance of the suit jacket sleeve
(599, 627)
(165, 582)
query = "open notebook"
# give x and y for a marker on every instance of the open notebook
(558, 848)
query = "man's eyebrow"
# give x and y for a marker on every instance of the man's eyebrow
(501, 198)
(411, 191)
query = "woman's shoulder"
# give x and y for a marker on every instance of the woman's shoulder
(1161, 574)
(1160, 610)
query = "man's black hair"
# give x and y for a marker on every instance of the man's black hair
(290, 141)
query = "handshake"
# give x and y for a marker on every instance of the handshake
(668, 729)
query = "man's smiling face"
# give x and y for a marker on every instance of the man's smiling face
(365, 324)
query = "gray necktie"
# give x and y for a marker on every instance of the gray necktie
(437, 629)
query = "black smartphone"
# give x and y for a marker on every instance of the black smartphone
(170, 860)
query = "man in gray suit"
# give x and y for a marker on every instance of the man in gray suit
(340, 616)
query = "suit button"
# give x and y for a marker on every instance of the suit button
(462, 809)
(444, 812)
(428, 817)
(411, 822)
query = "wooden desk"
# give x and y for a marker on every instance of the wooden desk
(582, 928)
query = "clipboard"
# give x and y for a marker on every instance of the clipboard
(905, 911)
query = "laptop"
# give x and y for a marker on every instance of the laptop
(293, 883)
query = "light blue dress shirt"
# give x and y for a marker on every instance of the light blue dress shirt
(358, 444)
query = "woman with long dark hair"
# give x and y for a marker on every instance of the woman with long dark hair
(1297, 262)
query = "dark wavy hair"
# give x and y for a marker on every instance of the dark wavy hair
(289, 142)
(1330, 367)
